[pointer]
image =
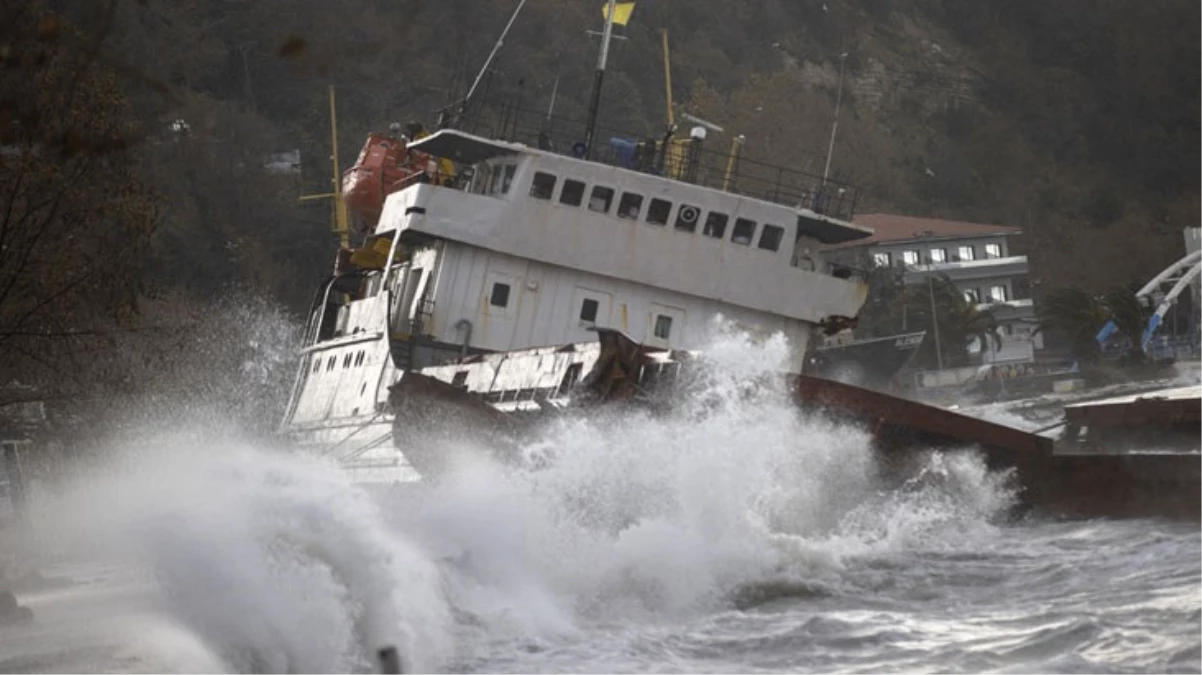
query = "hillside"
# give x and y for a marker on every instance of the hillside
(1076, 120)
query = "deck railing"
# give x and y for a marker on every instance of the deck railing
(680, 158)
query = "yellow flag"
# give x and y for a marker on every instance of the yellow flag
(622, 11)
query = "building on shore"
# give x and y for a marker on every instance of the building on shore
(976, 257)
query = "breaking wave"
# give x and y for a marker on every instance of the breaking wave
(277, 562)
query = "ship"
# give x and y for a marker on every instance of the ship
(869, 362)
(502, 238)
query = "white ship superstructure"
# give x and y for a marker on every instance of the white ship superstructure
(526, 248)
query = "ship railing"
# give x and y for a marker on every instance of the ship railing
(709, 163)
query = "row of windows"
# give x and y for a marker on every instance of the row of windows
(355, 358)
(658, 212)
(498, 296)
(937, 255)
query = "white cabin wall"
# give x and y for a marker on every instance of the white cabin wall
(544, 304)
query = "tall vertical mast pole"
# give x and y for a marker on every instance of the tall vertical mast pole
(668, 79)
(830, 149)
(340, 224)
(595, 101)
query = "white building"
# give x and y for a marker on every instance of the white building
(975, 256)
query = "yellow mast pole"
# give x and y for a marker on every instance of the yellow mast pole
(668, 78)
(735, 146)
(339, 213)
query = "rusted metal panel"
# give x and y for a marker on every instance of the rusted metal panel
(901, 417)
(1175, 406)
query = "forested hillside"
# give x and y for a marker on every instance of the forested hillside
(1077, 120)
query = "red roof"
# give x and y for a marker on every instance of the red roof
(888, 227)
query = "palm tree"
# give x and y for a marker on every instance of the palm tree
(961, 321)
(1078, 315)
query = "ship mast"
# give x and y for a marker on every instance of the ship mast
(341, 220)
(595, 101)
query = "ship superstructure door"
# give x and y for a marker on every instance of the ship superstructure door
(665, 325)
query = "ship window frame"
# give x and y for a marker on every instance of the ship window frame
(494, 179)
(317, 365)
(772, 243)
(663, 327)
(606, 194)
(715, 224)
(503, 295)
(573, 184)
(741, 224)
(653, 209)
(683, 225)
(630, 200)
(330, 363)
(587, 316)
(539, 189)
(507, 180)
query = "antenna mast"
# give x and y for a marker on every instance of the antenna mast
(595, 101)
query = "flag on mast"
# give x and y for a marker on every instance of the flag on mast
(622, 12)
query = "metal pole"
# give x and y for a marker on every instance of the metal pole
(835, 126)
(667, 78)
(934, 320)
(595, 101)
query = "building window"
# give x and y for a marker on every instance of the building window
(601, 199)
(910, 257)
(588, 310)
(663, 326)
(572, 193)
(507, 181)
(499, 296)
(715, 225)
(972, 295)
(744, 231)
(881, 259)
(630, 205)
(967, 253)
(687, 217)
(770, 237)
(658, 211)
(997, 294)
(939, 255)
(542, 185)
(993, 250)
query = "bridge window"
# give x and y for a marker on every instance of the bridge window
(663, 326)
(967, 253)
(601, 199)
(316, 365)
(715, 225)
(658, 212)
(499, 296)
(770, 237)
(542, 185)
(744, 231)
(330, 364)
(573, 193)
(939, 255)
(993, 250)
(630, 205)
(588, 310)
(507, 181)
(687, 217)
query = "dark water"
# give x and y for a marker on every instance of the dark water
(736, 534)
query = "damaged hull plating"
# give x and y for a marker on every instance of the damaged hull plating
(498, 396)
